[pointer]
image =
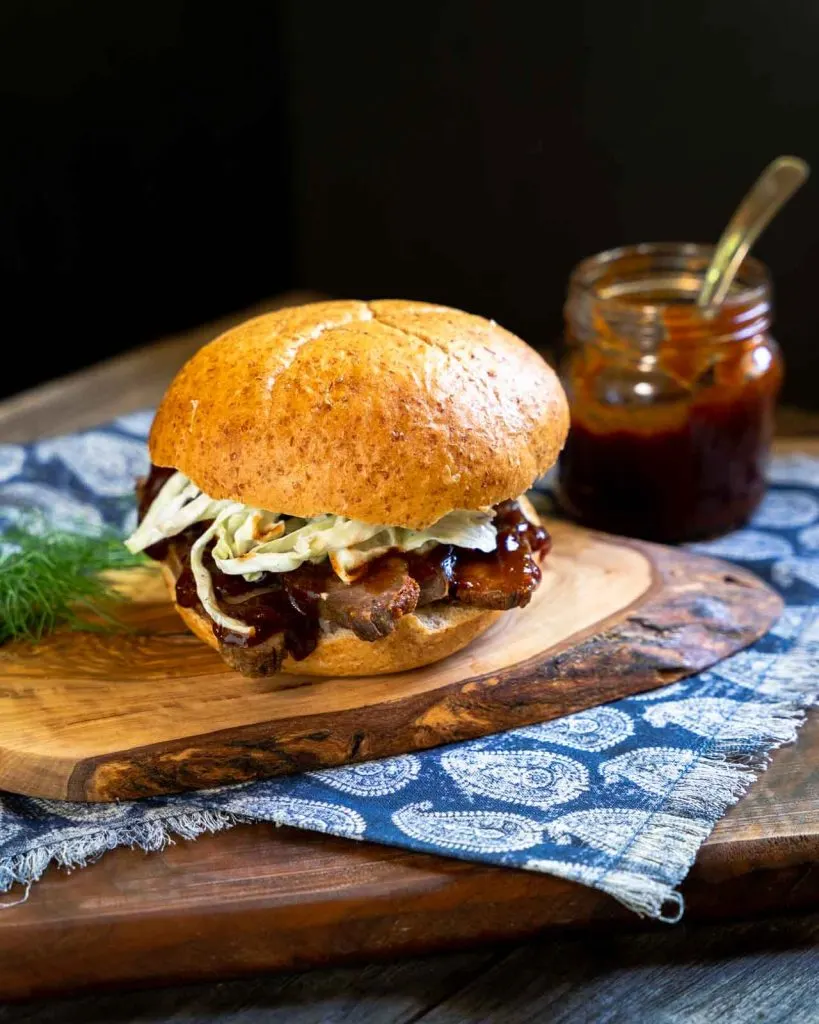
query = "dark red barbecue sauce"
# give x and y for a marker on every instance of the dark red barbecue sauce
(510, 562)
(268, 604)
(289, 603)
(695, 479)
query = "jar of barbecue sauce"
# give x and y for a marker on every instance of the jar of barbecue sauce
(672, 408)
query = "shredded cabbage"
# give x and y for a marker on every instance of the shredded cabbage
(250, 541)
(178, 505)
(204, 582)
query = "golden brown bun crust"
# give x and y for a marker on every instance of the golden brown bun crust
(425, 636)
(389, 412)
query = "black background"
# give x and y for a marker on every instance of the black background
(166, 162)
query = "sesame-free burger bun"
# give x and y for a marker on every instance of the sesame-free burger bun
(388, 412)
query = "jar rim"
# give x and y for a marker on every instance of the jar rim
(751, 285)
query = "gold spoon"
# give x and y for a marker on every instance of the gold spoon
(769, 193)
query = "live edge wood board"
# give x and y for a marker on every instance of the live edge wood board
(100, 717)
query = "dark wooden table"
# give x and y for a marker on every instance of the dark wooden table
(763, 970)
(761, 973)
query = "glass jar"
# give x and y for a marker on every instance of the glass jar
(672, 408)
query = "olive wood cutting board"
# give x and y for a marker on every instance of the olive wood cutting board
(88, 716)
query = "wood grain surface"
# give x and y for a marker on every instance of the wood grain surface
(154, 710)
(750, 972)
(211, 909)
(259, 897)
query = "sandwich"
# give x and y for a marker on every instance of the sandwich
(339, 488)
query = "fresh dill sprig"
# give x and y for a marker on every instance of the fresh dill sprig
(51, 577)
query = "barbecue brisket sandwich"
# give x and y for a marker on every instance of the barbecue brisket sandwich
(336, 489)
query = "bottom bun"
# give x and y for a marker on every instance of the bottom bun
(420, 638)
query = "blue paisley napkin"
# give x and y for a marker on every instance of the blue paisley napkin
(619, 797)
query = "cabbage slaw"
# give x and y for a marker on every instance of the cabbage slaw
(250, 541)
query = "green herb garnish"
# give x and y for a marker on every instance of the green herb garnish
(52, 577)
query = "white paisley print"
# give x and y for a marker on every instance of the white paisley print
(653, 769)
(108, 466)
(594, 730)
(477, 831)
(532, 778)
(22, 500)
(747, 545)
(786, 509)
(316, 815)
(12, 458)
(373, 778)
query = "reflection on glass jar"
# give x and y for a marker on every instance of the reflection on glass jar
(672, 409)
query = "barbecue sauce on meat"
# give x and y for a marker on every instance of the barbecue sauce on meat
(292, 603)
(508, 576)
(266, 604)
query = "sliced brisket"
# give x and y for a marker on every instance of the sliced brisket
(372, 606)
(264, 659)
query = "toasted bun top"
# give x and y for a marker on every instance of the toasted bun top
(388, 412)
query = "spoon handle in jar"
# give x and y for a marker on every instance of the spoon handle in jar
(772, 189)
